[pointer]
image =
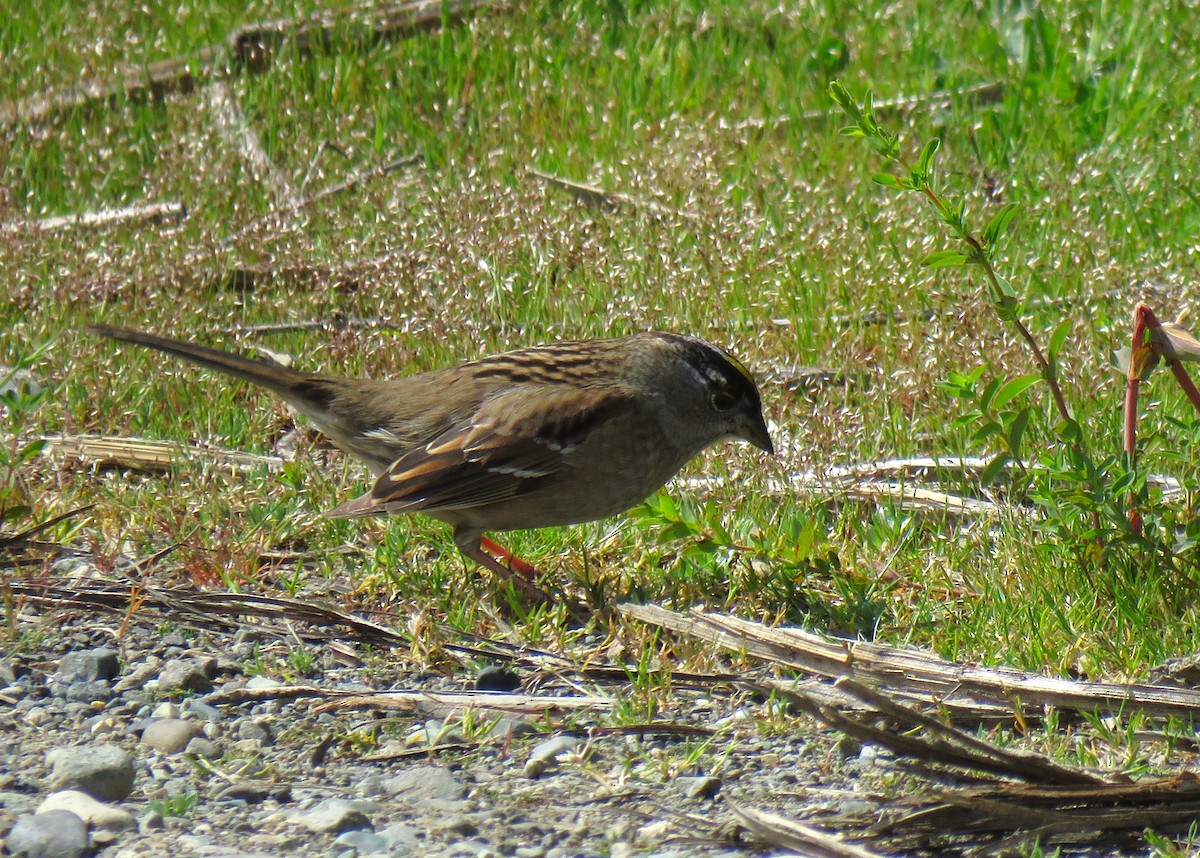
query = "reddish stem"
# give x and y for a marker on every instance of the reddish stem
(1143, 352)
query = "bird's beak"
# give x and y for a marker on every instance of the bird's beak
(755, 431)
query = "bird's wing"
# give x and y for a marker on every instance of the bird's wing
(515, 440)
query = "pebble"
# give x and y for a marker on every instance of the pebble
(52, 834)
(250, 792)
(699, 787)
(86, 692)
(142, 673)
(545, 756)
(9, 672)
(262, 683)
(97, 814)
(400, 837)
(170, 735)
(332, 816)
(254, 728)
(506, 727)
(203, 747)
(88, 666)
(188, 674)
(425, 786)
(38, 716)
(496, 677)
(102, 771)
(166, 709)
(197, 708)
(363, 842)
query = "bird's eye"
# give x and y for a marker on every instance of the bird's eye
(723, 400)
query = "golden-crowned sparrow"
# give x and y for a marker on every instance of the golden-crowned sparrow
(550, 435)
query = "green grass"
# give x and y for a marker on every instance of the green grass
(770, 238)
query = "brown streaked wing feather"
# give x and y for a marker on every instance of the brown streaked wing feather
(515, 440)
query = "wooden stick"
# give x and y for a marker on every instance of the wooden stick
(249, 48)
(153, 212)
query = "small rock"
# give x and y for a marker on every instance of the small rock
(435, 732)
(88, 666)
(53, 834)
(140, 675)
(496, 677)
(38, 716)
(188, 674)
(333, 815)
(249, 792)
(262, 683)
(9, 671)
(203, 747)
(472, 849)
(459, 824)
(86, 692)
(94, 813)
(699, 787)
(102, 771)
(253, 728)
(400, 837)
(363, 842)
(545, 756)
(654, 833)
(151, 821)
(166, 709)
(201, 710)
(425, 786)
(170, 735)
(505, 727)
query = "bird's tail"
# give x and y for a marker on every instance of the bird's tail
(289, 383)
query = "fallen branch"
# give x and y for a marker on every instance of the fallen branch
(233, 127)
(919, 675)
(151, 212)
(789, 834)
(356, 178)
(249, 48)
(144, 454)
(595, 197)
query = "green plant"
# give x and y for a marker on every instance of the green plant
(20, 397)
(179, 804)
(1081, 496)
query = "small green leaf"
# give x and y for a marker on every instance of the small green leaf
(839, 93)
(889, 180)
(1068, 431)
(994, 469)
(30, 451)
(1008, 307)
(989, 393)
(1006, 288)
(944, 259)
(1016, 430)
(925, 159)
(987, 431)
(999, 222)
(15, 513)
(1059, 337)
(1014, 388)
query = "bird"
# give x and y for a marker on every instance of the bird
(542, 436)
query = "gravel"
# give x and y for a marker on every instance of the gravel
(133, 750)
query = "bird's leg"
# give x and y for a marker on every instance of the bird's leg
(513, 562)
(519, 573)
